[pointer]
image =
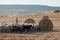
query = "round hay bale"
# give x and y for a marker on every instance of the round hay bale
(45, 24)
(29, 20)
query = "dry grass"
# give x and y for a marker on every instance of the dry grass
(55, 35)
(35, 36)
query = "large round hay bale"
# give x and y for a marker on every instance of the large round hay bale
(29, 20)
(46, 24)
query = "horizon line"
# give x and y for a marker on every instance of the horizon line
(30, 4)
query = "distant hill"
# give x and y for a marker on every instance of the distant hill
(24, 9)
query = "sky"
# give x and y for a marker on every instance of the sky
(32, 2)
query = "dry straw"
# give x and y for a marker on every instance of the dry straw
(46, 24)
(29, 20)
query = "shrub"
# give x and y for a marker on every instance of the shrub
(56, 11)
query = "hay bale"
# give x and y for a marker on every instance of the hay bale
(45, 24)
(29, 20)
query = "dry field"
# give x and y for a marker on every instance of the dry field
(54, 35)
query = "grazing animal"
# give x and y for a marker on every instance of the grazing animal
(27, 28)
(5, 29)
(15, 29)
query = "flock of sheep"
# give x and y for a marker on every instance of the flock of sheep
(44, 25)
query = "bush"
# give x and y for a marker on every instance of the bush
(57, 11)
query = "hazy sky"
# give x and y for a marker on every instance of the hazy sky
(37, 2)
